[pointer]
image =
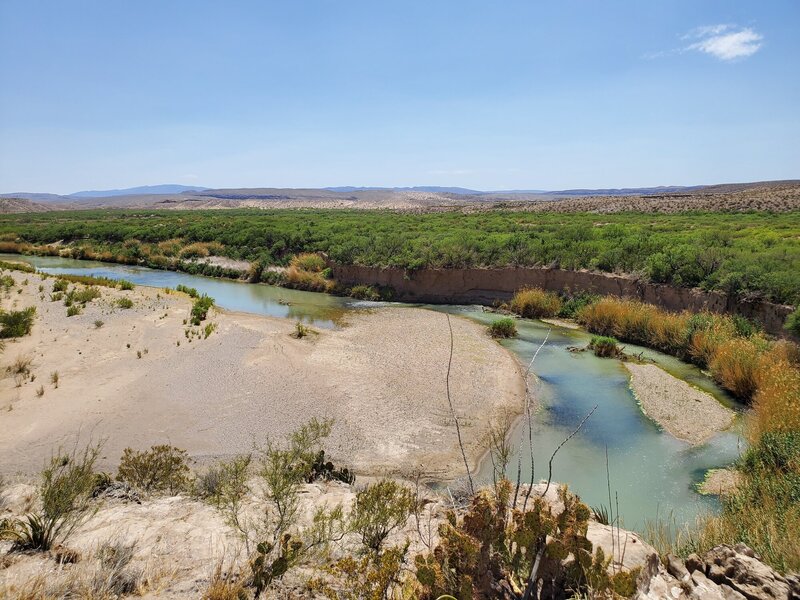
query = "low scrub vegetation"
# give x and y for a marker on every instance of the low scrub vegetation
(124, 303)
(535, 303)
(16, 266)
(162, 468)
(91, 280)
(503, 328)
(744, 253)
(66, 493)
(200, 307)
(16, 323)
(364, 292)
(605, 347)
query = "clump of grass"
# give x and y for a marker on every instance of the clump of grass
(16, 323)
(40, 391)
(138, 354)
(301, 331)
(6, 282)
(54, 378)
(208, 330)
(124, 303)
(98, 324)
(735, 363)
(535, 303)
(20, 369)
(605, 347)
(307, 261)
(307, 280)
(503, 328)
(60, 285)
(88, 280)
(124, 284)
(365, 292)
(73, 310)
(83, 296)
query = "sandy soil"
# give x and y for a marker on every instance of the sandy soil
(684, 411)
(382, 378)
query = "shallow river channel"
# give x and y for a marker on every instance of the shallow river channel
(651, 473)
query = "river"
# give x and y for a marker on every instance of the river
(651, 473)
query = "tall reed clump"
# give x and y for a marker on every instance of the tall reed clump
(308, 272)
(757, 370)
(535, 303)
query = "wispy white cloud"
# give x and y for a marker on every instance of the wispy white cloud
(723, 41)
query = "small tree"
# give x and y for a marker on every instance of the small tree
(379, 509)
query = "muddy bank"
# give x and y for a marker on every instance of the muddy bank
(486, 286)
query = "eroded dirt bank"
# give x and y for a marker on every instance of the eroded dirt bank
(486, 286)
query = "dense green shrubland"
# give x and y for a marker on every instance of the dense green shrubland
(736, 253)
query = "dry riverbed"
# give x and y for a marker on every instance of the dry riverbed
(137, 380)
(685, 412)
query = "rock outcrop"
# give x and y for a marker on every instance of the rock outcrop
(724, 573)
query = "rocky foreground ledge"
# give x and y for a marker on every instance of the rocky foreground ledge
(723, 573)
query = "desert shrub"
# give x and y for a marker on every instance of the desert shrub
(575, 303)
(200, 308)
(605, 347)
(124, 284)
(535, 303)
(301, 331)
(307, 261)
(65, 492)
(793, 322)
(325, 470)
(83, 296)
(162, 468)
(365, 292)
(734, 365)
(16, 323)
(192, 292)
(98, 324)
(495, 545)
(57, 297)
(367, 577)
(124, 303)
(503, 328)
(60, 285)
(73, 310)
(379, 509)
(196, 250)
(6, 282)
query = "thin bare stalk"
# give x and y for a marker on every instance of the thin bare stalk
(453, 411)
(561, 445)
(530, 426)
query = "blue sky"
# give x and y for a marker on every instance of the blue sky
(487, 95)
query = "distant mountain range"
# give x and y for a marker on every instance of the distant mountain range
(167, 188)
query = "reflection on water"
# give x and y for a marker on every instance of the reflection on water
(651, 472)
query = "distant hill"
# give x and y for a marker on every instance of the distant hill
(417, 188)
(169, 188)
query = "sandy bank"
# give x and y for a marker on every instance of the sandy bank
(137, 381)
(684, 411)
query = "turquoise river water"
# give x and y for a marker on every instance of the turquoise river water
(651, 473)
